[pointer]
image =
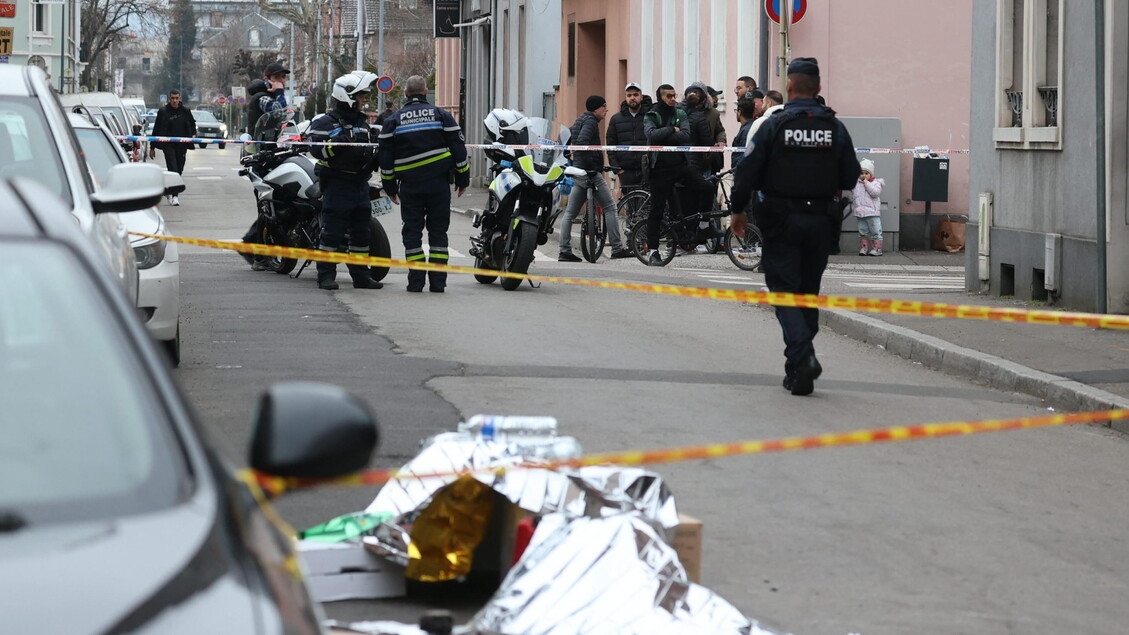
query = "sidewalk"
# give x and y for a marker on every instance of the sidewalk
(1070, 368)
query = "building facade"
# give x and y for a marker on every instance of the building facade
(44, 34)
(1050, 217)
(874, 67)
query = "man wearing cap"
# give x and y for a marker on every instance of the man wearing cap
(266, 95)
(801, 160)
(586, 132)
(625, 128)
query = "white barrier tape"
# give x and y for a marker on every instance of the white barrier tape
(499, 146)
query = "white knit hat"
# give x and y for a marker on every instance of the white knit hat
(867, 165)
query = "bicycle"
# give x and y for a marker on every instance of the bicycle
(635, 207)
(676, 231)
(593, 231)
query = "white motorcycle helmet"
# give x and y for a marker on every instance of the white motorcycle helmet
(507, 126)
(346, 86)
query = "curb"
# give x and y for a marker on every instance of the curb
(937, 354)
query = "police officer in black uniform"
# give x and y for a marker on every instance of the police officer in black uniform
(802, 158)
(343, 173)
(420, 146)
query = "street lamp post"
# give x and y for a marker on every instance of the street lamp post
(360, 34)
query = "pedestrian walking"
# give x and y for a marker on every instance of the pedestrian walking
(625, 128)
(421, 149)
(585, 131)
(801, 159)
(343, 173)
(173, 120)
(867, 203)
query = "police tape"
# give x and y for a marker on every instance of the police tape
(805, 301)
(500, 146)
(276, 485)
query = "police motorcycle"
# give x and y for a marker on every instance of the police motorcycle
(288, 195)
(522, 191)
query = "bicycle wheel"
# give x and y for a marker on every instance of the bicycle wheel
(593, 234)
(668, 243)
(744, 252)
(632, 208)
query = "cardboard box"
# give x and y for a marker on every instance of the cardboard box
(688, 545)
(363, 585)
(348, 571)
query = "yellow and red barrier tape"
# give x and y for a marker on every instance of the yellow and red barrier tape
(279, 485)
(869, 305)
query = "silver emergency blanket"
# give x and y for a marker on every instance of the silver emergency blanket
(592, 491)
(611, 575)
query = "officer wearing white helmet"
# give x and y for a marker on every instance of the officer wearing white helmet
(343, 173)
(422, 152)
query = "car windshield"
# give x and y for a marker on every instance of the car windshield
(100, 152)
(23, 152)
(85, 436)
(203, 116)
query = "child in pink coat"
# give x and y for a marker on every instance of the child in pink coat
(868, 210)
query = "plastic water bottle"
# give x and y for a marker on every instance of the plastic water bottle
(507, 428)
(549, 448)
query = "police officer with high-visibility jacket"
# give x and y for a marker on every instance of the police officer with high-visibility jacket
(343, 172)
(802, 158)
(420, 146)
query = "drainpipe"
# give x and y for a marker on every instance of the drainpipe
(1099, 148)
(762, 70)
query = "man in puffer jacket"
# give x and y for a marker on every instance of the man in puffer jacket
(586, 132)
(625, 128)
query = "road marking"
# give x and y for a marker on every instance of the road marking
(208, 178)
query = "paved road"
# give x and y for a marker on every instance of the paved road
(1015, 532)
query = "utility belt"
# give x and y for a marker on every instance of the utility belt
(797, 205)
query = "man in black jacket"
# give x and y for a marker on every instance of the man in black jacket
(801, 158)
(173, 120)
(421, 149)
(586, 132)
(625, 128)
(343, 172)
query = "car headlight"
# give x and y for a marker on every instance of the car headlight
(149, 255)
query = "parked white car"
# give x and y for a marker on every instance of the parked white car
(158, 262)
(121, 119)
(37, 142)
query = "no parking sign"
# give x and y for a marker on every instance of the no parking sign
(773, 8)
(385, 84)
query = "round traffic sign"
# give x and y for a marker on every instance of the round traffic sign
(242, 100)
(773, 9)
(221, 100)
(384, 84)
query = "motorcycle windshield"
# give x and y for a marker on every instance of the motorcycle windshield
(273, 124)
(544, 132)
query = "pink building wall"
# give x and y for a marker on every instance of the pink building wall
(909, 59)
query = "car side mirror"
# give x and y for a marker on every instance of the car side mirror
(311, 430)
(129, 187)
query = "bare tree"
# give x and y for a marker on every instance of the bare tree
(220, 62)
(107, 21)
(303, 14)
